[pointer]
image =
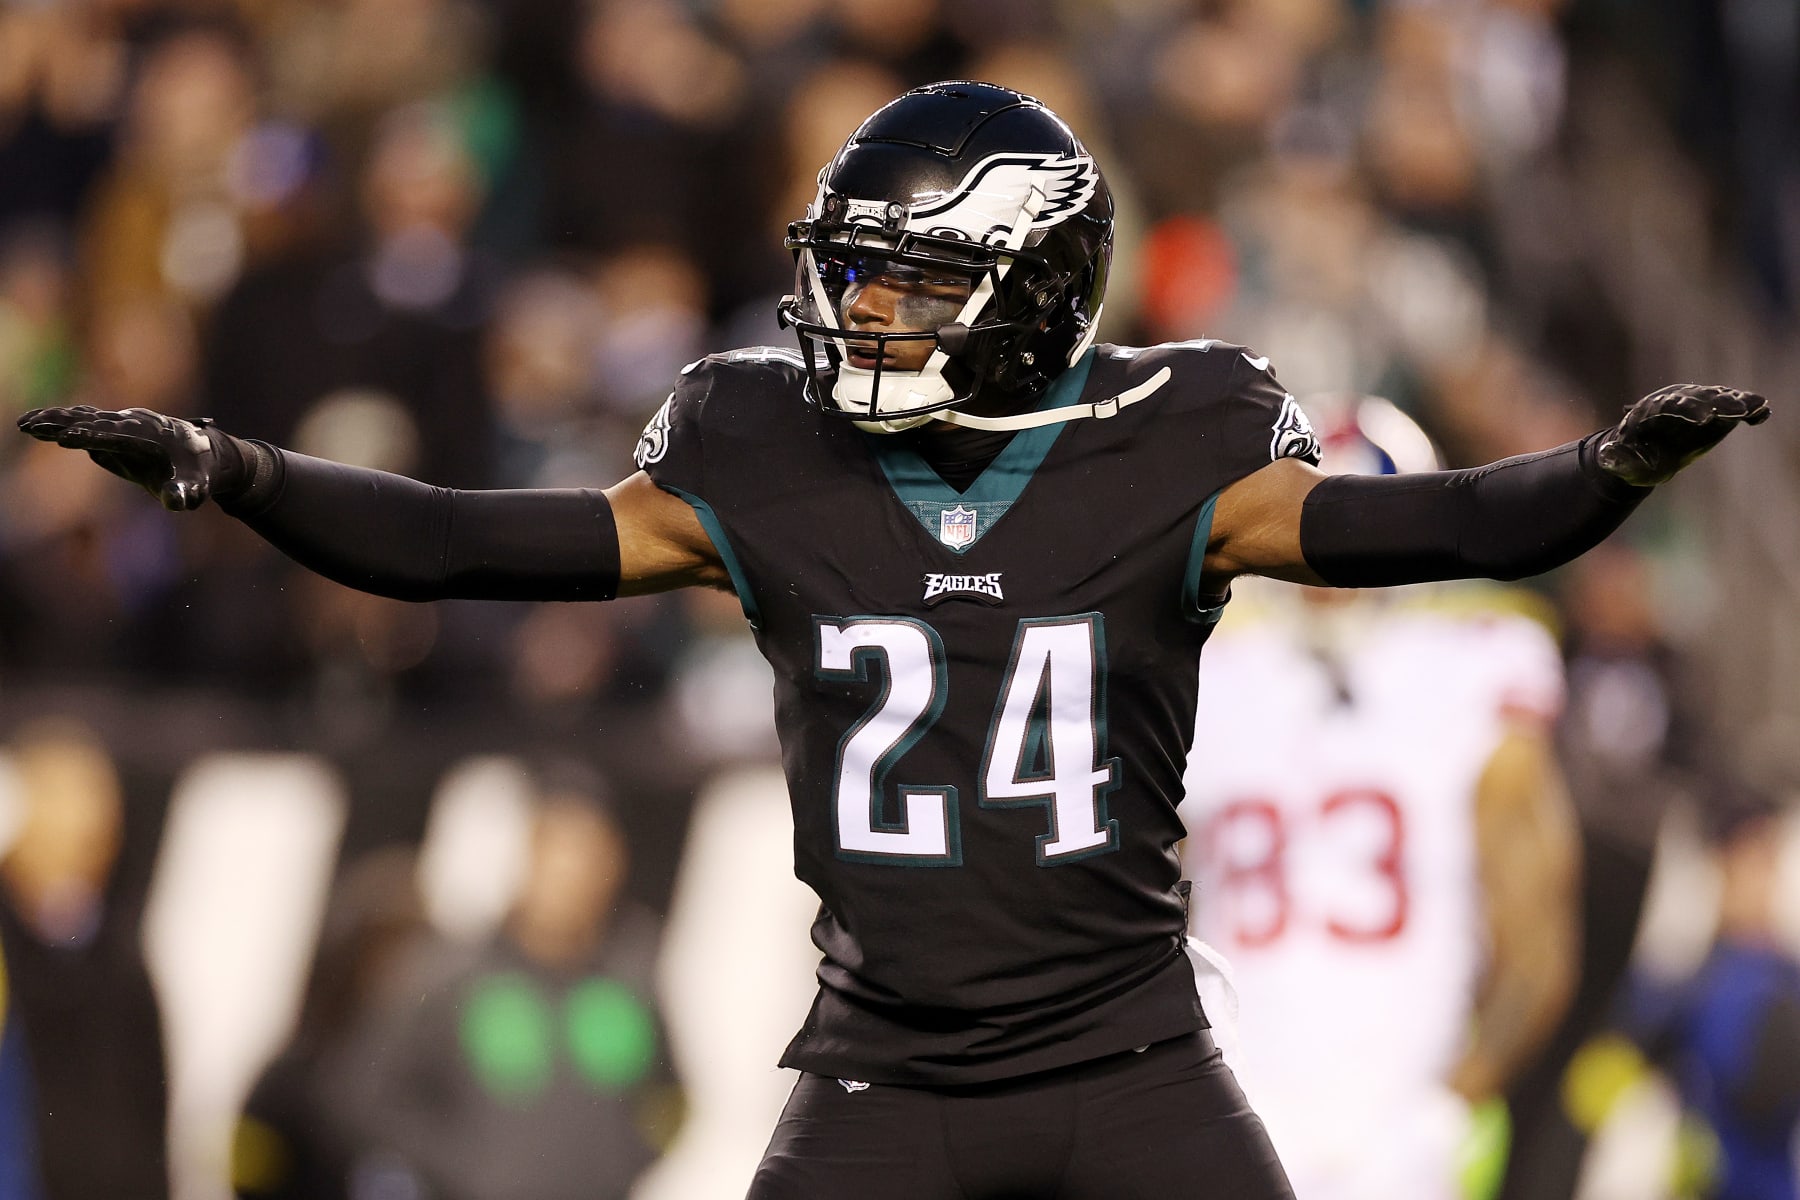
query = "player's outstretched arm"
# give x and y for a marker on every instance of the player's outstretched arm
(395, 536)
(1513, 518)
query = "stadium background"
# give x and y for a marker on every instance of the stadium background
(474, 240)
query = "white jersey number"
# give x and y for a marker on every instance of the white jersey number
(911, 656)
(1043, 747)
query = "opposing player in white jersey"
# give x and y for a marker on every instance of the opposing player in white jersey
(1383, 850)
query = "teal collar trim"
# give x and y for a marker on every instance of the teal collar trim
(958, 519)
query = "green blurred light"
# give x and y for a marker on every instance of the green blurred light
(611, 1034)
(506, 1034)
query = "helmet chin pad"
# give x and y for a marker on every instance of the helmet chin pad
(855, 392)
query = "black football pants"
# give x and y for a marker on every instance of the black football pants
(1167, 1123)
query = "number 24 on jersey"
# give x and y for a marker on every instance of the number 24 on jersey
(1044, 742)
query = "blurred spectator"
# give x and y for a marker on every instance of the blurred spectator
(62, 82)
(1727, 76)
(310, 1129)
(535, 1067)
(141, 352)
(653, 305)
(1730, 1034)
(720, 690)
(38, 355)
(915, 40)
(540, 369)
(1211, 86)
(18, 1129)
(1762, 51)
(575, 357)
(641, 153)
(163, 222)
(77, 980)
(138, 349)
(1631, 743)
(386, 342)
(1419, 146)
(341, 66)
(75, 527)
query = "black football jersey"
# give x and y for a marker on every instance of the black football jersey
(985, 698)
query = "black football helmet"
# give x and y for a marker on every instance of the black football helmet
(966, 184)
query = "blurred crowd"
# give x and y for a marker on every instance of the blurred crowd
(474, 240)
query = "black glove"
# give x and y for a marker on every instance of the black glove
(1670, 428)
(179, 462)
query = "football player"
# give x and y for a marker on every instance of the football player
(981, 552)
(1382, 843)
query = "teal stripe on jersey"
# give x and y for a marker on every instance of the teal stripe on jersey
(709, 521)
(1193, 605)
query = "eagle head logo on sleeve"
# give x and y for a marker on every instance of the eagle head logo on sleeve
(653, 443)
(1293, 435)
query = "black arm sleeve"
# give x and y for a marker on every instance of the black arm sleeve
(395, 536)
(1517, 517)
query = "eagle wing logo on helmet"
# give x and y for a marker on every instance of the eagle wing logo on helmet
(988, 200)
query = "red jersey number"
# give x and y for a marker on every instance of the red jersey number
(1248, 845)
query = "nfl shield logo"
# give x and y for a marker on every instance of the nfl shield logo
(956, 527)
